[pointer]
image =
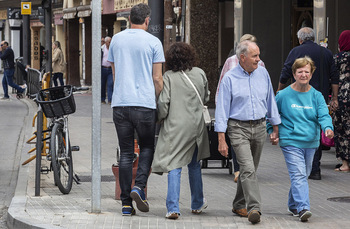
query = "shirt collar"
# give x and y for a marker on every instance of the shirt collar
(307, 42)
(244, 71)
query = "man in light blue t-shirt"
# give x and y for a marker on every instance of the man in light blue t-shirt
(136, 58)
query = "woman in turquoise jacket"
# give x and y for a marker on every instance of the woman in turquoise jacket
(303, 110)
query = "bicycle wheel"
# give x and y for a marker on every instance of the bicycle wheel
(62, 163)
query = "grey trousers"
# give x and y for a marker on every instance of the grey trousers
(247, 141)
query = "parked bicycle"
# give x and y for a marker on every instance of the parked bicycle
(57, 103)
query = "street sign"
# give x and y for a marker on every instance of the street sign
(26, 8)
(14, 13)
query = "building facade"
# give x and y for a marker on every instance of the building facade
(213, 27)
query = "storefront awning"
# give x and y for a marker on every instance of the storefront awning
(69, 13)
(84, 11)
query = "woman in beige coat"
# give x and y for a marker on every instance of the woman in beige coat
(183, 138)
(57, 63)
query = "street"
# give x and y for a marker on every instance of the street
(13, 114)
(54, 210)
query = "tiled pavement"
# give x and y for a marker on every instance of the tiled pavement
(54, 210)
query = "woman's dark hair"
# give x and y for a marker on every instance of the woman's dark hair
(180, 56)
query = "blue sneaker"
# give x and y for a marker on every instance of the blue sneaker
(138, 195)
(128, 210)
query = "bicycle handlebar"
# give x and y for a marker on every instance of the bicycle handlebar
(32, 96)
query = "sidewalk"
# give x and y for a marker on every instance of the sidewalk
(55, 210)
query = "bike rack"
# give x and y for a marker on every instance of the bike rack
(41, 139)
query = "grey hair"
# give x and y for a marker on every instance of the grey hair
(107, 38)
(242, 48)
(306, 34)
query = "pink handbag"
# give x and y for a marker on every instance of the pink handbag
(326, 141)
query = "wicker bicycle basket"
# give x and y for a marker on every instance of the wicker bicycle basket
(57, 101)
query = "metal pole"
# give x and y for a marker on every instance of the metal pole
(83, 48)
(39, 145)
(48, 37)
(183, 20)
(156, 26)
(96, 108)
(319, 20)
(26, 38)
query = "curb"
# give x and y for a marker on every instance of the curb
(17, 217)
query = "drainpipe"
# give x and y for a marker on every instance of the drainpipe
(183, 20)
(82, 21)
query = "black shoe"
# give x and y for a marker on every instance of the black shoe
(254, 216)
(315, 176)
(304, 215)
(338, 166)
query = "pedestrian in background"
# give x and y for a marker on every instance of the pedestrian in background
(102, 42)
(58, 64)
(136, 58)
(183, 137)
(106, 74)
(245, 99)
(303, 110)
(7, 56)
(230, 63)
(324, 77)
(342, 115)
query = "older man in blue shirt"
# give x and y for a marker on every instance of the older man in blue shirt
(245, 100)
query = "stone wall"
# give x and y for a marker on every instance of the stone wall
(204, 38)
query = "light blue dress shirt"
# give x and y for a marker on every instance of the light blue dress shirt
(245, 97)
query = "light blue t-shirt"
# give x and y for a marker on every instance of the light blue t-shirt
(302, 114)
(134, 51)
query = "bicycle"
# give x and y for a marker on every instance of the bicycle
(57, 103)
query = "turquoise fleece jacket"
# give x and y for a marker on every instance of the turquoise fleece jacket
(302, 114)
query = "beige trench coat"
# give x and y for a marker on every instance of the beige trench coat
(58, 64)
(182, 126)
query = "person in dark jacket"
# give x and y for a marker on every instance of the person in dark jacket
(341, 116)
(324, 75)
(7, 56)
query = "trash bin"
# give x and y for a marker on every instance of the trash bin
(20, 75)
(115, 169)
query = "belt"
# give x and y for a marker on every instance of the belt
(105, 67)
(251, 122)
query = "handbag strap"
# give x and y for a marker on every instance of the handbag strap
(193, 87)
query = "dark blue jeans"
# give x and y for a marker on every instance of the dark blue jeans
(106, 81)
(58, 75)
(7, 80)
(126, 121)
(316, 163)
